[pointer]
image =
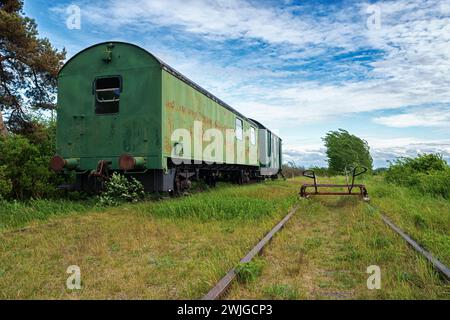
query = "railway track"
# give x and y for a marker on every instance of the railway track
(220, 289)
(437, 265)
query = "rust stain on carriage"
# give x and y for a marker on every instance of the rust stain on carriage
(206, 123)
(195, 115)
(179, 116)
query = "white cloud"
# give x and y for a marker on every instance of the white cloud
(423, 117)
(388, 149)
(214, 19)
(415, 39)
(308, 155)
(411, 71)
(414, 70)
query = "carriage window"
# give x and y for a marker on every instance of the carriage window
(269, 140)
(252, 135)
(238, 129)
(107, 94)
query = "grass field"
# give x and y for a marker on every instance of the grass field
(179, 248)
(170, 249)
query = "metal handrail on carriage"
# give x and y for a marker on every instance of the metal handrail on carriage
(354, 171)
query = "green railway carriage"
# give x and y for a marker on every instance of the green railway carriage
(269, 151)
(122, 109)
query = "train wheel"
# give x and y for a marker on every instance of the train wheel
(181, 183)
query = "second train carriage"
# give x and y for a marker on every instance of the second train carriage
(122, 109)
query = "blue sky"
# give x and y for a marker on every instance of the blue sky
(379, 69)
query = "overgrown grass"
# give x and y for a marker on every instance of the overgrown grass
(282, 292)
(250, 202)
(15, 214)
(424, 217)
(324, 251)
(224, 202)
(139, 250)
(178, 248)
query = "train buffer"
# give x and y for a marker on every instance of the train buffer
(351, 189)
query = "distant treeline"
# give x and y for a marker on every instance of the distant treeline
(291, 170)
(427, 173)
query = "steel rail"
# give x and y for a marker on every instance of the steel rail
(222, 286)
(438, 265)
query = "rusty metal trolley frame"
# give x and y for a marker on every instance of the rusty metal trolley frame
(355, 171)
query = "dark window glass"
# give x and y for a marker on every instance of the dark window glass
(107, 94)
(269, 138)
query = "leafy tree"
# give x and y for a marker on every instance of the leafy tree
(320, 171)
(345, 149)
(379, 171)
(28, 69)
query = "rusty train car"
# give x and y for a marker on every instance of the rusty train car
(121, 109)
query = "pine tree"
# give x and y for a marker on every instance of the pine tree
(28, 69)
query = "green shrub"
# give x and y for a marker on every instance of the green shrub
(119, 189)
(24, 169)
(426, 162)
(404, 170)
(427, 173)
(5, 183)
(379, 171)
(436, 183)
(321, 171)
(249, 271)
